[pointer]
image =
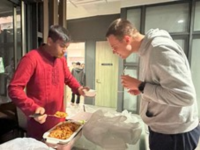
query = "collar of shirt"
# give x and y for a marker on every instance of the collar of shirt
(45, 54)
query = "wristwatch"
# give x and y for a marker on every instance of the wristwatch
(141, 87)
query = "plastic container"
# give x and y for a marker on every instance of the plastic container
(60, 141)
(90, 93)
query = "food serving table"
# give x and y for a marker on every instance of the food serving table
(81, 143)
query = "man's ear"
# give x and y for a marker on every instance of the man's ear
(49, 41)
(127, 39)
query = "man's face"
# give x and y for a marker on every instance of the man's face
(59, 48)
(119, 47)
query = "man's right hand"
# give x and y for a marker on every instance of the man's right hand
(40, 119)
(82, 89)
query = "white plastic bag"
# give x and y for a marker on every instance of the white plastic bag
(24, 144)
(112, 133)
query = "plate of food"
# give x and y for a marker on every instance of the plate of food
(90, 93)
(63, 132)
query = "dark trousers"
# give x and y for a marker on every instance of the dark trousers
(77, 99)
(183, 141)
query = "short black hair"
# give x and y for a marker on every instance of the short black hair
(78, 63)
(57, 32)
(119, 28)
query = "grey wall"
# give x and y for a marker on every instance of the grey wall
(90, 47)
(90, 30)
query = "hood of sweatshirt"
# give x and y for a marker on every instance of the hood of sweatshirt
(150, 35)
(78, 70)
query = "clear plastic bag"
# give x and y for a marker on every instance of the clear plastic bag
(112, 133)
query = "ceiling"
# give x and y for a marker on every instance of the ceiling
(88, 8)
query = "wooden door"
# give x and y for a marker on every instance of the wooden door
(106, 75)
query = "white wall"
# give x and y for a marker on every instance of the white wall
(76, 53)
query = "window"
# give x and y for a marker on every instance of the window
(130, 101)
(134, 16)
(173, 18)
(196, 17)
(6, 44)
(195, 67)
(133, 58)
(181, 43)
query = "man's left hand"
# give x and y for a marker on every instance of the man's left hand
(134, 92)
(130, 82)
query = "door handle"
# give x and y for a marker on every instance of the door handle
(97, 80)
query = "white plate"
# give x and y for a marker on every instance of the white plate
(90, 93)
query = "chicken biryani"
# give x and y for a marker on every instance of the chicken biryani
(64, 131)
(60, 114)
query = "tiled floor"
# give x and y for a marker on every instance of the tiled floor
(69, 96)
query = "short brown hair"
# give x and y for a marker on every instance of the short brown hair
(119, 28)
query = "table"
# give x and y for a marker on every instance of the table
(140, 145)
(75, 144)
(80, 142)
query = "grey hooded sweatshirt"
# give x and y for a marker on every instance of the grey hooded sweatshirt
(79, 74)
(168, 104)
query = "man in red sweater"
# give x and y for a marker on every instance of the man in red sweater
(44, 72)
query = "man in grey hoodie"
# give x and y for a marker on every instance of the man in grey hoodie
(79, 74)
(168, 104)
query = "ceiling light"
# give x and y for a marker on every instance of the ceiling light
(180, 21)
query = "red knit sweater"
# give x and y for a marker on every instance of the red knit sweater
(44, 77)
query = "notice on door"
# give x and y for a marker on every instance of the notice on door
(106, 64)
(2, 70)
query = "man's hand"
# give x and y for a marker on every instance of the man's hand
(130, 83)
(40, 119)
(82, 89)
(134, 92)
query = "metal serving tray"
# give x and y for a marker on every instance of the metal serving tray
(60, 141)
